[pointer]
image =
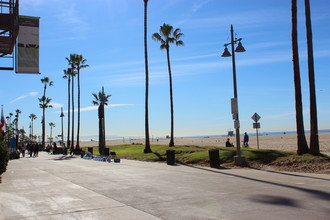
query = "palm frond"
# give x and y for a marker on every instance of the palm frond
(179, 43)
(157, 37)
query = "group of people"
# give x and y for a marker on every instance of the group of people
(32, 148)
(245, 141)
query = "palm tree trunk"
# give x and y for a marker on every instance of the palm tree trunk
(69, 106)
(171, 95)
(43, 127)
(43, 120)
(147, 148)
(100, 128)
(72, 99)
(103, 129)
(301, 138)
(78, 128)
(314, 138)
(32, 129)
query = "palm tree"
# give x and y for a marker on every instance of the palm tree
(16, 123)
(33, 117)
(47, 82)
(10, 115)
(71, 62)
(80, 64)
(301, 138)
(68, 75)
(147, 148)
(166, 36)
(314, 138)
(52, 125)
(22, 133)
(101, 99)
(44, 103)
(10, 125)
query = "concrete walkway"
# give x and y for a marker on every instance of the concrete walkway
(57, 187)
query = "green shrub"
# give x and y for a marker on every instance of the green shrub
(14, 155)
(3, 155)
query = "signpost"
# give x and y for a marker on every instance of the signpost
(256, 125)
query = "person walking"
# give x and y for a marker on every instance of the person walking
(246, 140)
(23, 150)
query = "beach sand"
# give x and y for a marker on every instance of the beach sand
(286, 142)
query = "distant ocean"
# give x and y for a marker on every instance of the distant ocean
(259, 133)
(95, 138)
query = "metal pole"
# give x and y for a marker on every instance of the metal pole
(257, 137)
(235, 90)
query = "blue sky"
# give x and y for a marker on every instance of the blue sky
(109, 34)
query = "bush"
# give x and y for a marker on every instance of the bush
(3, 155)
(14, 155)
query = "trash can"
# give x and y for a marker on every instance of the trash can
(170, 157)
(90, 149)
(214, 158)
(106, 152)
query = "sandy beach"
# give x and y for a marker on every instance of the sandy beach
(287, 142)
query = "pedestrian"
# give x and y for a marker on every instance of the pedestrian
(35, 150)
(246, 140)
(23, 150)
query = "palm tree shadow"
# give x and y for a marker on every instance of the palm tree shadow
(160, 157)
(313, 192)
(64, 157)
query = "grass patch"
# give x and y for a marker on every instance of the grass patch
(198, 155)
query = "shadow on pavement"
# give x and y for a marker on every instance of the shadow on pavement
(276, 200)
(64, 157)
(315, 193)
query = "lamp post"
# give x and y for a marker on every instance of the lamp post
(239, 159)
(62, 116)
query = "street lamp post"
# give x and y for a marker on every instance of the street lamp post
(239, 159)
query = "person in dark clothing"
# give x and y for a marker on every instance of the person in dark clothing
(246, 140)
(228, 144)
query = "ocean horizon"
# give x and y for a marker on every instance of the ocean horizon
(95, 137)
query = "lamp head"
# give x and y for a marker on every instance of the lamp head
(240, 47)
(226, 53)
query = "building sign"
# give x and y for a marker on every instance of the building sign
(28, 45)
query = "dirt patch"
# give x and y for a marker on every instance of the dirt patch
(319, 165)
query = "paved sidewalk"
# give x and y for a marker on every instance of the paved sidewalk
(57, 187)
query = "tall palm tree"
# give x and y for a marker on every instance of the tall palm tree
(68, 75)
(44, 104)
(166, 36)
(80, 64)
(101, 99)
(10, 115)
(10, 124)
(52, 125)
(314, 138)
(147, 148)
(302, 147)
(72, 62)
(33, 117)
(47, 82)
(16, 123)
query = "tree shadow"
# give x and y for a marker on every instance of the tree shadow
(64, 157)
(291, 174)
(315, 193)
(160, 157)
(276, 200)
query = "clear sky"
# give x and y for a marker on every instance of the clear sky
(109, 34)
